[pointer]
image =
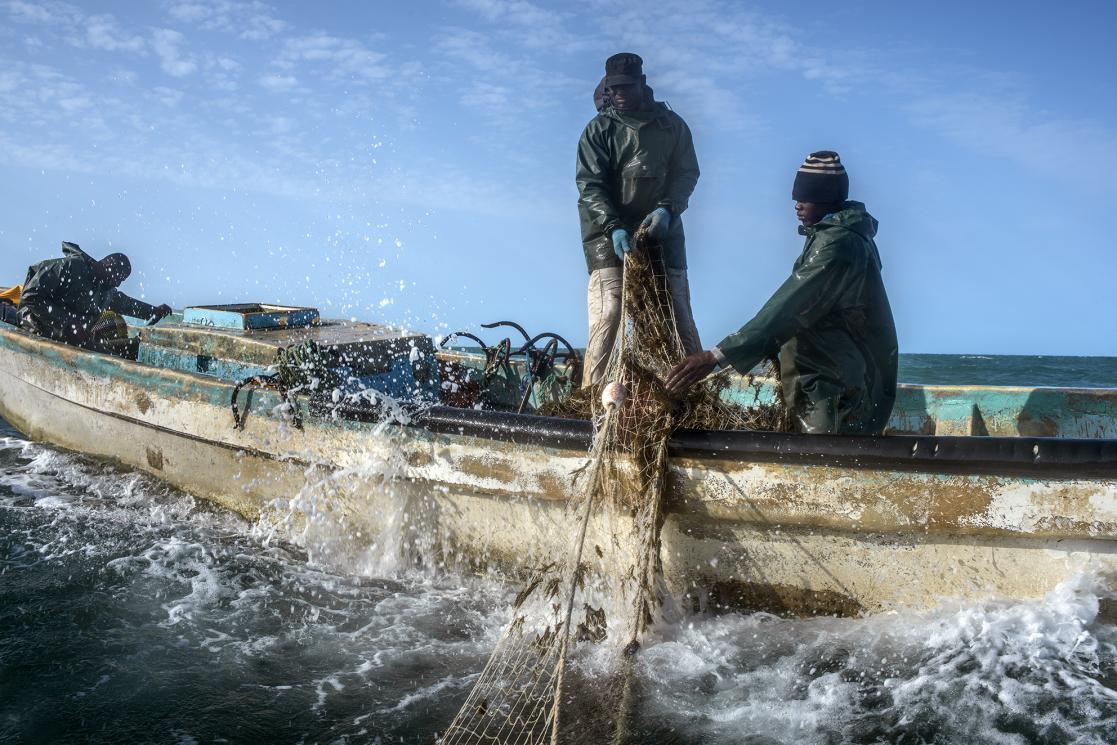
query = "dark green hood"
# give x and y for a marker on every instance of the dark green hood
(638, 119)
(852, 217)
(73, 251)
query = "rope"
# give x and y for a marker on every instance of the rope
(304, 365)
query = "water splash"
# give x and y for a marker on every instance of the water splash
(127, 608)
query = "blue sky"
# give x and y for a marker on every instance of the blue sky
(413, 162)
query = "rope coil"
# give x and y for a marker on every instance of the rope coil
(298, 367)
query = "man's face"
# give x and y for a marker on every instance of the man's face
(629, 97)
(810, 213)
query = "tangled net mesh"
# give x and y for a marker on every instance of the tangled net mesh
(519, 694)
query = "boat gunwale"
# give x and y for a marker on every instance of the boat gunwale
(1042, 457)
(1050, 457)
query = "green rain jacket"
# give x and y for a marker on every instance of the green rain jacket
(628, 165)
(832, 325)
(64, 296)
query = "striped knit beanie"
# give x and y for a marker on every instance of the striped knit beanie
(821, 179)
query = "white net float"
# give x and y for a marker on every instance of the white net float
(613, 395)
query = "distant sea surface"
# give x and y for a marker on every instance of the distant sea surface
(1021, 370)
(1004, 369)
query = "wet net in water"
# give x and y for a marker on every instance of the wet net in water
(613, 565)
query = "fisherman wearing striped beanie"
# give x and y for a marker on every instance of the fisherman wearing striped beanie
(821, 186)
(829, 322)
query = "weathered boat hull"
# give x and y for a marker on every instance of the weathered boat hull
(781, 522)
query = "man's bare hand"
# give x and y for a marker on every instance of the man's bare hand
(690, 371)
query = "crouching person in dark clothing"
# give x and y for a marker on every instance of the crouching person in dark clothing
(70, 300)
(830, 321)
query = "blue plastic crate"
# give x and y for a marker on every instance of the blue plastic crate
(246, 316)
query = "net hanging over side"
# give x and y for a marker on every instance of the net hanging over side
(614, 522)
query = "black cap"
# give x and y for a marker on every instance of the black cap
(625, 68)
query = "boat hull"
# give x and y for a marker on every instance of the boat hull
(792, 524)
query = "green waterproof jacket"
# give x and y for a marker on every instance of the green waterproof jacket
(628, 165)
(63, 297)
(832, 327)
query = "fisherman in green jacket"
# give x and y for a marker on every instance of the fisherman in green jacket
(64, 299)
(636, 168)
(830, 321)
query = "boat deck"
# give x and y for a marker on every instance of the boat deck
(260, 346)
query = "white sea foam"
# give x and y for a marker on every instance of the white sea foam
(367, 645)
(986, 672)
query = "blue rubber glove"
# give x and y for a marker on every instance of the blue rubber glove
(657, 222)
(620, 243)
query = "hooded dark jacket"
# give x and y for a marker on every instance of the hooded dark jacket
(64, 296)
(832, 326)
(628, 165)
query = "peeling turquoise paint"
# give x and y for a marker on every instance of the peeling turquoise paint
(984, 410)
(1007, 411)
(204, 364)
(1089, 413)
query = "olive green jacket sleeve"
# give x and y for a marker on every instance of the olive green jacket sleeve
(807, 295)
(129, 306)
(682, 173)
(594, 179)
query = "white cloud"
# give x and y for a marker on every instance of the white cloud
(9, 81)
(74, 104)
(518, 12)
(167, 96)
(31, 93)
(124, 76)
(498, 80)
(102, 32)
(167, 46)
(475, 49)
(528, 24)
(1004, 125)
(711, 47)
(346, 57)
(222, 73)
(487, 96)
(249, 20)
(279, 83)
(45, 12)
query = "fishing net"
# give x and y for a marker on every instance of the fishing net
(613, 566)
(703, 406)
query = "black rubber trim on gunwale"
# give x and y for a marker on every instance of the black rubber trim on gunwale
(1030, 455)
(1040, 456)
(521, 429)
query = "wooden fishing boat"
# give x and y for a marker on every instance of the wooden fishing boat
(973, 491)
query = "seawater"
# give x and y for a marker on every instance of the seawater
(133, 613)
(1022, 370)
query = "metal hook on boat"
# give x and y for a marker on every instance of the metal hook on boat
(268, 382)
(530, 344)
(465, 334)
(512, 324)
(540, 363)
